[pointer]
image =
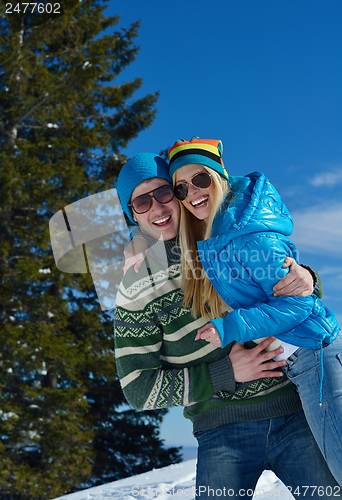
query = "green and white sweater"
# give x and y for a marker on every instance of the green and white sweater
(160, 364)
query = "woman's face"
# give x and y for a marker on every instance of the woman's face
(198, 201)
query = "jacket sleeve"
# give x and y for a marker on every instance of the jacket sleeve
(277, 314)
(146, 382)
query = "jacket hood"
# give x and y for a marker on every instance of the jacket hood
(252, 205)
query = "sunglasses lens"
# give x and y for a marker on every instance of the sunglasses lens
(163, 194)
(141, 204)
(202, 180)
(181, 191)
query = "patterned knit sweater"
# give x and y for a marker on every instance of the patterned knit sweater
(160, 364)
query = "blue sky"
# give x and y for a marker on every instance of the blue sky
(265, 77)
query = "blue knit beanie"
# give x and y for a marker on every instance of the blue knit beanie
(139, 168)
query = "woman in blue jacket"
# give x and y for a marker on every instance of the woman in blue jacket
(234, 239)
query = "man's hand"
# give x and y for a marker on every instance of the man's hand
(210, 334)
(135, 253)
(250, 364)
(297, 282)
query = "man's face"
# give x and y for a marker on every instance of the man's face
(161, 220)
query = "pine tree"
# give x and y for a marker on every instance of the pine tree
(63, 122)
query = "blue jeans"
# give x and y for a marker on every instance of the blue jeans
(304, 370)
(231, 459)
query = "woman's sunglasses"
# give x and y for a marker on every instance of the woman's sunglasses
(142, 204)
(201, 180)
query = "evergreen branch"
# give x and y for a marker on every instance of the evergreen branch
(93, 117)
(30, 111)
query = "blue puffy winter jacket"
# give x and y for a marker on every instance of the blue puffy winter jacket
(243, 259)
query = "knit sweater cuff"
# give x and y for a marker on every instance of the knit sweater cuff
(318, 289)
(222, 375)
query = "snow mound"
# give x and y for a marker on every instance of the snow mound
(174, 481)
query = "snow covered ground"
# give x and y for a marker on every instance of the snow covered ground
(173, 482)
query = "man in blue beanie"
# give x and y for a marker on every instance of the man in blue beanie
(146, 196)
(232, 393)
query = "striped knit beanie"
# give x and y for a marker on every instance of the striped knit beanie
(197, 151)
(139, 168)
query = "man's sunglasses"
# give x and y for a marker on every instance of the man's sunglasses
(142, 204)
(201, 180)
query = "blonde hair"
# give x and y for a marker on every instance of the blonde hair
(199, 293)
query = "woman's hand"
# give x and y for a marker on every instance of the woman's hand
(210, 334)
(135, 253)
(250, 364)
(297, 282)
